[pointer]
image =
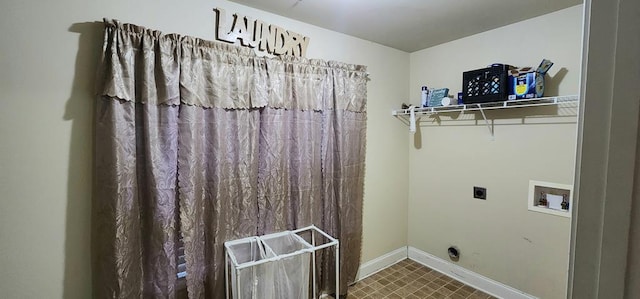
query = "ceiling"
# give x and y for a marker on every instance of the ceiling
(409, 25)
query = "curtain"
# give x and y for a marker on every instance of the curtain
(210, 142)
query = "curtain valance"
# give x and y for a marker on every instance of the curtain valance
(211, 74)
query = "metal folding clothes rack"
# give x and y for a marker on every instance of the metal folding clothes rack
(233, 266)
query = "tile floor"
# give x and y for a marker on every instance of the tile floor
(411, 280)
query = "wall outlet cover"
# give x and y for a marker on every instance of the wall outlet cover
(480, 193)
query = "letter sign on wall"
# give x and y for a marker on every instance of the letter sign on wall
(257, 34)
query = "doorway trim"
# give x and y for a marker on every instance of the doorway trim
(606, 149)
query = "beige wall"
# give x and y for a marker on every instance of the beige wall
(48, 57)
(499, 238)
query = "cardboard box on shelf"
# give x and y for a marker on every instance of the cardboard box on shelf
(527, 83)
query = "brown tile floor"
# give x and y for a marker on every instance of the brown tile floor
(411, 280)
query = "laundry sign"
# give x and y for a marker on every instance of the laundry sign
(259, 35)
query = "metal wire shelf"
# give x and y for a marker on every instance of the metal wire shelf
(489, 106)
(413, 112)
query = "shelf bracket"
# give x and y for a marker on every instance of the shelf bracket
(486, 122)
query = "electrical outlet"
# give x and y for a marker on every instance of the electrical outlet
(480, 193)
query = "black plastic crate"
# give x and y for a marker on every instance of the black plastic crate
(485, 85)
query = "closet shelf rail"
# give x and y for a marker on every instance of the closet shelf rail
(546, 101)
(489, 106)
(413, 112)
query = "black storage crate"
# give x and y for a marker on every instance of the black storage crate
(485, 85)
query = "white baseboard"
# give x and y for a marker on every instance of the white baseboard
(371, 267)
(465, 276)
